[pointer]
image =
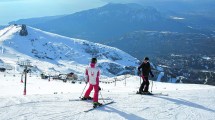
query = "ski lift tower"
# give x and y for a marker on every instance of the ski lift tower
(27, 65)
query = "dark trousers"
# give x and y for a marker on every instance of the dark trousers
(145, 85)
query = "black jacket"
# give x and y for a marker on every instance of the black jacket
(145, 68)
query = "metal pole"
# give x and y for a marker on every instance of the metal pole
(25, 80)
(115, 81)
(49, 78)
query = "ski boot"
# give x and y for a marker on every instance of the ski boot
(138, 92)
(96, 104)
(146, 93)
(87, 98)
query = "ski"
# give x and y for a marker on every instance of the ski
(162, 94)
(79, 99)
(107, 103)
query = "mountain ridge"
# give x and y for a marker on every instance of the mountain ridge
(63, 51)
(111, 21)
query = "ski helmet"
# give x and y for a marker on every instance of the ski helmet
(93, 60)
(146, 58)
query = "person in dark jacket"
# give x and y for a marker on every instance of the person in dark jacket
(144, 70)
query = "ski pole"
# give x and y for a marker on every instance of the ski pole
(101, 96)
(151, 86)
(140, 74)
(140, 80)
(83, 90)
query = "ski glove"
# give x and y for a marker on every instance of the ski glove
(99, 88)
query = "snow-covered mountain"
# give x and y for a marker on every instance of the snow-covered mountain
(60, 54)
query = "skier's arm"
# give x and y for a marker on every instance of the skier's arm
(140, 67)
(150, 71)
(139, 72)
(98, 74)
(97, 78)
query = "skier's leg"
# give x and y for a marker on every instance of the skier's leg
(88, 91)
(96, 93)
(146, 89)
(141, 88)
(142, 85)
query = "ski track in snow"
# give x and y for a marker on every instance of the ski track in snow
(185, 102)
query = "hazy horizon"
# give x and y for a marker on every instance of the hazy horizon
(12, 10)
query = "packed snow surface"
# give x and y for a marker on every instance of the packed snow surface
(49, 100)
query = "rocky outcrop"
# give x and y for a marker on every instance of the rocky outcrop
(23, 31)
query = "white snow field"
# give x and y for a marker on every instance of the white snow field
(54, 54)
(49, 100)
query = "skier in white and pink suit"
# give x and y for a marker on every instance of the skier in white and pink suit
(92, 76)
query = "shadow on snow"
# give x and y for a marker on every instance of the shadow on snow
(186, 103)
(128, 116)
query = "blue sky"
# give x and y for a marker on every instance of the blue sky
(11, 10)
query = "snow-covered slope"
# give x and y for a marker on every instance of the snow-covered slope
(60, 54)
(50, 101)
